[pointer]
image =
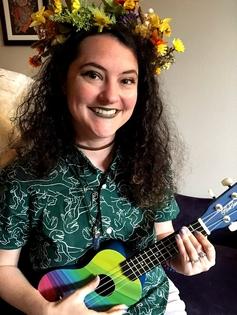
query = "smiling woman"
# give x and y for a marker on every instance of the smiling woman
(101, 91)
(94, 171)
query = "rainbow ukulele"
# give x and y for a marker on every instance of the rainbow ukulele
(122, 278)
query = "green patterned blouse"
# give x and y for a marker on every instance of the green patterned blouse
(56, 216)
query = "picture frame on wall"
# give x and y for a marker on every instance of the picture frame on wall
(15, 18)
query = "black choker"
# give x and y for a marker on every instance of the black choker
(80, 146)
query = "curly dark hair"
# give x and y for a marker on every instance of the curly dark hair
(46, 130)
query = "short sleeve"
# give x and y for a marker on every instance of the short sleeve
(14, 221)
(168, 211)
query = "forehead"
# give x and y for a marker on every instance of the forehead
(107, 49)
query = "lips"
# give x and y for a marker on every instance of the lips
(104, 112)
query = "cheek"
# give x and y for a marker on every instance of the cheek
(77, 96)
(131, 102)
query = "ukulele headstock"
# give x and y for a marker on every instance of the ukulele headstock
(222, 212)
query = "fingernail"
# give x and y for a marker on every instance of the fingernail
(197, 232)
(184, 230)
(178, 237)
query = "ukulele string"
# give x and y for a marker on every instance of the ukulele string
(208, 217)
(121, 283)
(116, 274)
(215, 224)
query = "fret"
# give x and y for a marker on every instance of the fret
(129, 270)
(196, 226)
(149, 259)
(140, 264)
(146, 259)
(155, 255)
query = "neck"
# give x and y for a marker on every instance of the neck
(99, 157)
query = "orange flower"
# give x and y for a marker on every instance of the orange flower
(130, 4)
(155, 39)
(119, 1)
(35, 61)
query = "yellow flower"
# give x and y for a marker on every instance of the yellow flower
(158, 70)
(100, 18)
(129, 4)
(40, 17)
(165, 26)
(178, 45)
(142, 30)
(162, 49)
(75, 6)
(166, 66)
(154, 20)
(58, 6)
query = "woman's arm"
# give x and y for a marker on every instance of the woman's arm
(163, 229)
(196, 253)
(15, 289)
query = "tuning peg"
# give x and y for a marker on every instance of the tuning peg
(233, 226)
(218, 207)
(227, 182)
(234, 195)
(211, 193)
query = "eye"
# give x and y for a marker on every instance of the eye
(93, 75)
(129, 81)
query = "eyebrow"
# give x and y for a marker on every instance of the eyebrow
(93, 64)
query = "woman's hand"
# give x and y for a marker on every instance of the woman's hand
(74, 304)
(196, 253)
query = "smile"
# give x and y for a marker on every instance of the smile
(105, 112)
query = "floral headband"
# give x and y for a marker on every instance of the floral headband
(54, 25)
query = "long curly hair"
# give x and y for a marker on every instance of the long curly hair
(145, 142)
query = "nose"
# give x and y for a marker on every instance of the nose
(109, 93)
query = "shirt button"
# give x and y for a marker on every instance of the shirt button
(95, 195)
(109, 230)
(104, 186)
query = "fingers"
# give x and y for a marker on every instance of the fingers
(207, 247)
(189, 244)
(197, 254)
(80, 295)
(88, 288)
(118, 310)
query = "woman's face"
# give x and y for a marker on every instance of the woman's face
(101, 88)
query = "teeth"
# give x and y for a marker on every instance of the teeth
(105, 112)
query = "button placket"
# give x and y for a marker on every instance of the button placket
(95, 196)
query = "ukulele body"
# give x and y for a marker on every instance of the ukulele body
(114, 288)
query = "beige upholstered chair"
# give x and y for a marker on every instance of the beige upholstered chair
(13, 86)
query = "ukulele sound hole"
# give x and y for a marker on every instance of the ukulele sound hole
(106, 286)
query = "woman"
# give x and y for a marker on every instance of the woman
(95, 166)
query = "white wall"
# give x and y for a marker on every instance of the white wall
(200, 87)
(15, 58)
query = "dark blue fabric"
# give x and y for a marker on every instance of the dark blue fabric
(212, 292)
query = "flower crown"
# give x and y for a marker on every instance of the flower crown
(55, 24)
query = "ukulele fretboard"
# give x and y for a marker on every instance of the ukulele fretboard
(156, 254)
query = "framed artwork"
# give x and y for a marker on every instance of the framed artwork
(15, 20)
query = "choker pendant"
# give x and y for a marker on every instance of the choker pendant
(96, 238)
